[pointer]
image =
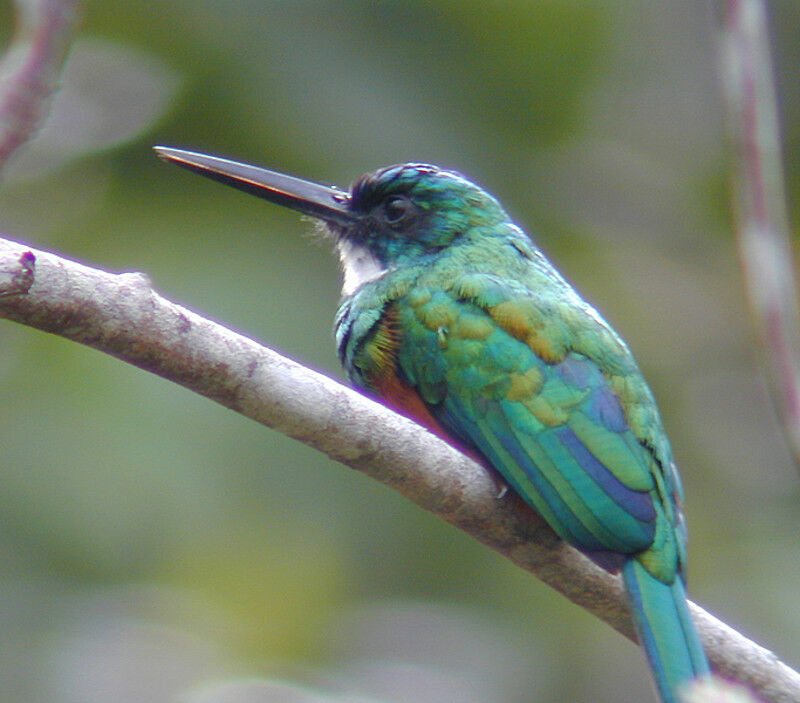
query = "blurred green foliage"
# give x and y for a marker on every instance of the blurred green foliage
(155, 544)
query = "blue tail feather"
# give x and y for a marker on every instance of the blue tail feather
(666, 631)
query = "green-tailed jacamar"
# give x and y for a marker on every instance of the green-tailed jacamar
(451, 315)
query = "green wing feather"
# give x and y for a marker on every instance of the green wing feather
(545, 413)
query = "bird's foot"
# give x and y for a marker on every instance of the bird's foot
(501, 486)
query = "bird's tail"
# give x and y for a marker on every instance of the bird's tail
(666, 631)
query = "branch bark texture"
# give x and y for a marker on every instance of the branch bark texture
(121, 315)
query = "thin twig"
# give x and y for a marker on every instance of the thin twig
(762, 229)
(30, 68)
(121, 315)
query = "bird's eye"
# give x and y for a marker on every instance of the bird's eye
(397, 209)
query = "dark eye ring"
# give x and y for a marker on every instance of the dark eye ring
(397, 209)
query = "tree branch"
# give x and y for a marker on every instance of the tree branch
(30, 68)
(121, 315)
(762, 229)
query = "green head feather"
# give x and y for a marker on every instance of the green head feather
(412, 210)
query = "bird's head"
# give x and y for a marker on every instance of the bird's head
(392, 217)
(410, 210)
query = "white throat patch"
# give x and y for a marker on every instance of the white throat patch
(358, 265)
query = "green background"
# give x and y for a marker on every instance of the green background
(155, 546)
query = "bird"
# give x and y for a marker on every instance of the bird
(452, 315)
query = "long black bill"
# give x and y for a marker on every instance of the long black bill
(323, 202)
